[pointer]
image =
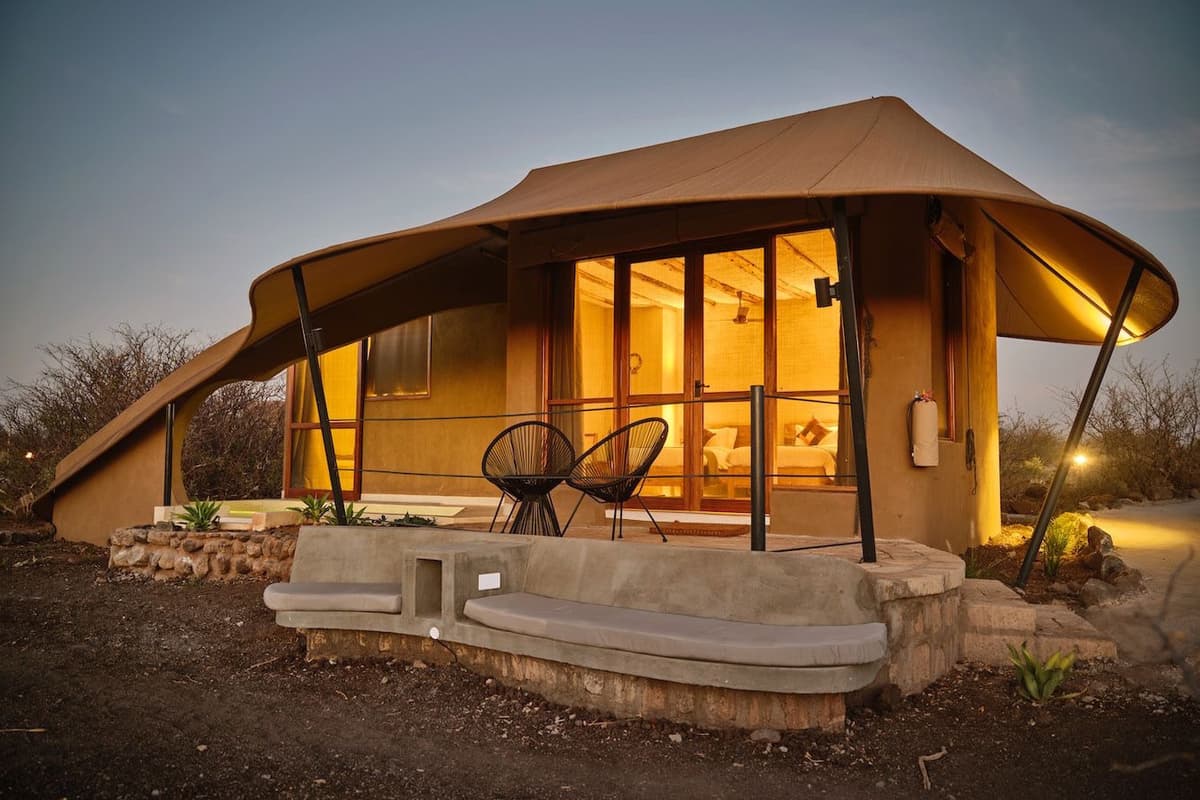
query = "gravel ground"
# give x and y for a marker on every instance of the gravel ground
(120, 688)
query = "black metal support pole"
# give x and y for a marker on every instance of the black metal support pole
(758, 472)
(858, 415)
(1080, 423)
(314, 371)
(169, 456)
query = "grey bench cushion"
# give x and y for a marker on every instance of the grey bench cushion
(381, 597)
(679, 636)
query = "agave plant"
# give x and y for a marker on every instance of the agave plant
(1039, 681)
(356, 516)
(200, 515)
(313, 510)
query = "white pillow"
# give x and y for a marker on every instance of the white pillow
(722, 437)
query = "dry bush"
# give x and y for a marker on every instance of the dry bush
(1145, 432)
(84, 384)
(1029, 450)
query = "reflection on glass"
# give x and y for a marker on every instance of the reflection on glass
(656, 327)
(309, 470)
(582, 334)
(733, 320)
(339, 375)
(671, 463)
(807, 338)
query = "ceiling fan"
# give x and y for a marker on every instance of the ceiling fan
(743, 313)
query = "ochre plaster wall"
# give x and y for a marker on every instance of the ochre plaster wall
(467, 377)
(119, 490)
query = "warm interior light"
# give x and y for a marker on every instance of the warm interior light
(1080, 459)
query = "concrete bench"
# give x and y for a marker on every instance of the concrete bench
(681, 636)
(382, 598)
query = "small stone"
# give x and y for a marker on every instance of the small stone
(166, 559)
(880, 784)
(419, 664)
(492, 682)
(1098, 593)
(158, 536)
(183, 566)
(138, 556)
(782, 748)
(164, 525)
(677, 738)
(384, 680)
(200, 565)
(201, 747)
(220, 563)
(1099, 540)
(1112, 567)
(769, 735)
(191, 545)
(254, 549)
(121, 538)
(139, 535)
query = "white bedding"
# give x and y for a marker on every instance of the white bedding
(673, 456)
(791, 457)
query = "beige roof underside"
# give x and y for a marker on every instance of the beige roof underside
(1060, 272)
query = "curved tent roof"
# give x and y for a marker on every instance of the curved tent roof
(1060, 271)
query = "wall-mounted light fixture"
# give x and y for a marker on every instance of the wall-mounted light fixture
(948, 232)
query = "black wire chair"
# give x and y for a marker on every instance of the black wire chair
(613, 469)
(525, 462)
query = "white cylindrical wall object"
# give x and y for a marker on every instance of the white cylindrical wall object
(924, 433)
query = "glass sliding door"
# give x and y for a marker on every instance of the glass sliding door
(683, 335)
(732, 339)
(654, 367)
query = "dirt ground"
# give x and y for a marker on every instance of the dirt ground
(118, 688)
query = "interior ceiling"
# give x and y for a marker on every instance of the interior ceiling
(731, 277)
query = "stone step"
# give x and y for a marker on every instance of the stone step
(989, 607)
(1060, 629)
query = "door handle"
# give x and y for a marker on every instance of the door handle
(699, 387)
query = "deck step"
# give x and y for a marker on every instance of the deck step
(993, 616)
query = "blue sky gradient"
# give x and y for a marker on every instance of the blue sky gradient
(156, 157)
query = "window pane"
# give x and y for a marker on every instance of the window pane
(339, 375)
(733, 320)
(811, 435)
(584, 425)
(398, 360)
(582, 335)
(808, 339)
(670, 461)
(726, 464)
(309, 470)
(656, 327)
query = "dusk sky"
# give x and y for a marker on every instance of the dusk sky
(156, 157)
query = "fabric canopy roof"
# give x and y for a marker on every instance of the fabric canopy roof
(1060, 272)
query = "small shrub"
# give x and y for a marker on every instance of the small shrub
(1066, 535)
(200, 515)
(1039, 681)
(313, 510)
(357, 516)
(408, 521)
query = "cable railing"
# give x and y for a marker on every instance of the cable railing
(810, 465)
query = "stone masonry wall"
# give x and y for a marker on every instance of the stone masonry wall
(207, 555)
(923, 639)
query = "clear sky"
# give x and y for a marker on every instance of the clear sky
(155, 157)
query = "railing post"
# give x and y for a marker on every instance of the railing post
(169, 456)
(318, 386)
(758, 472)
(1077, 427)
(858, 416)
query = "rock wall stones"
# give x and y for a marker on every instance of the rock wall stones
(923, 640)
(204, 555)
